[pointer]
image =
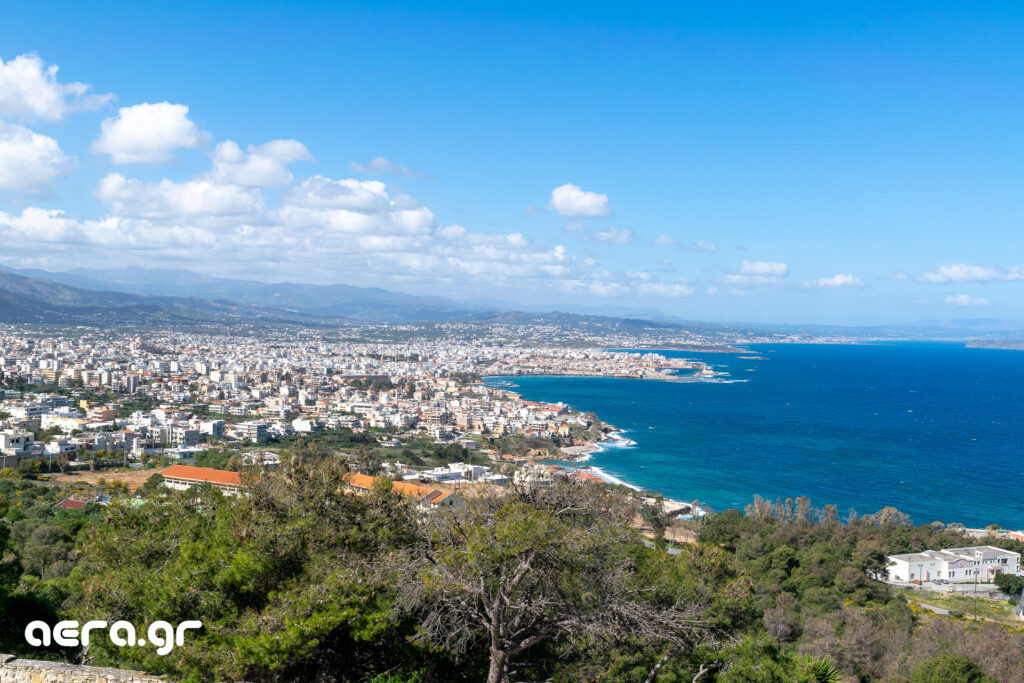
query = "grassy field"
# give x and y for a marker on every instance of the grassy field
(999, 611)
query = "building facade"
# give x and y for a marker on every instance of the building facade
(956, 565)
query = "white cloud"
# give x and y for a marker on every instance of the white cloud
(29, 90)
(668, 290)
(318, 230)
(265, 165)
(967, 301)
(897, 276)
(148, 134)
(611, 235)
(664, 240)
(842, 280)
(701, 246)
(757, 274)
(29, 161)
(319, 192)
(764, 268)
(451, 232)
(167, 200)
(572, 201)
(381, 166)
(963, 272)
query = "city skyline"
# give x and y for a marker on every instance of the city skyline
(721, 164)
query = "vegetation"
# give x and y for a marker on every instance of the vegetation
(299, 582)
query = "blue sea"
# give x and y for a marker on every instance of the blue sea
(936, 430)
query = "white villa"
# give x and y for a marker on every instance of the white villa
(982, 562)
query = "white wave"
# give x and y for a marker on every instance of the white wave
(612, 479)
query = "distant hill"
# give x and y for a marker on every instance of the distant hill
(35, 300)
(140, 295)
(1006, 344)
(345, 301)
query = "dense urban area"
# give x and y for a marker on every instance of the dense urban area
(360, 504)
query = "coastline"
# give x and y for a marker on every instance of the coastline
(614, 440)
(907, 493)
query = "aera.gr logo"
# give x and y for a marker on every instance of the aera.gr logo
(122, 633)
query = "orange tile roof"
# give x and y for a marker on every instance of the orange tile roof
(203, 474)
(365, 481)
(361, 481)
(407, 489)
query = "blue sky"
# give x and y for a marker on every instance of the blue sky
(812, 163)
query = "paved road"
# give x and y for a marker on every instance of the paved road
(937, 610)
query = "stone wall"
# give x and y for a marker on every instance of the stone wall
(15, 670)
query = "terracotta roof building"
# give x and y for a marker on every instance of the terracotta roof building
(183, 477)
(426, 498)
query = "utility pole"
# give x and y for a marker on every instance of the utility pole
(978, 556)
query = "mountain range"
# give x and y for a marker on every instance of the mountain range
(131, 296)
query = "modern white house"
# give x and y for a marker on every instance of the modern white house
(956, 565)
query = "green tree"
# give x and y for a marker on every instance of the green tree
(292, 582)
(1011, 584)
(560, 564)
(946, 668)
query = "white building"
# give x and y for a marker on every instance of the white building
(981, 563)
(214, 428)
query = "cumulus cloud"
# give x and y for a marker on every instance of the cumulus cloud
(265, 165)
(842, 280)
(29, 161)
(29, 90)
(451, 232)
(148, 133)
(317, 228)
(756, 274)
(192, 199)
(611, 235)
(572, 201)
(764, 268)
(701, 246)
(381, 166)
(963, 272)
(664, 240)
(966, 301)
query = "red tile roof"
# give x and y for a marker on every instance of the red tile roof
(365, 482)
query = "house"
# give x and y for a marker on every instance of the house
(15, 445)
(427, 499)
(255, 431)
(268, 460)
(532, 475)
(184, 477)
(976, 563)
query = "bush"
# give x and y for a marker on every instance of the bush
(949, 667)
(1010, 583)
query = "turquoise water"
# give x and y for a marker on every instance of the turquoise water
(933, 429)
